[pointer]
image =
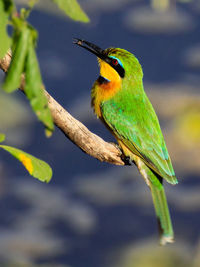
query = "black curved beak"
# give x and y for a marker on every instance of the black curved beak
(92, 48)
(100, 53)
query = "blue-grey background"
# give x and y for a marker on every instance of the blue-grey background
(93, 214)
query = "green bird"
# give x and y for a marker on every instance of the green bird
(119, 100)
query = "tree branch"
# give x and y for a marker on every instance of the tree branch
(74, 129)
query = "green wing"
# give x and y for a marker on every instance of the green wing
(133, 120)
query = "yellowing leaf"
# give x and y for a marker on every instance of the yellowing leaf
(36, 167)
(26, 161)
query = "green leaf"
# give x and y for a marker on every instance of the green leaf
(2, 137)
(72, 9)
(13, 77)
(36, 167)
(33, 87)
(6, 7)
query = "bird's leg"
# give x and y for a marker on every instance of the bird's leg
(142, 168)
(126, 159)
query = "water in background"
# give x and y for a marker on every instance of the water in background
(93, 214)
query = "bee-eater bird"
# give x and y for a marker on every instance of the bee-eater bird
(119, 100)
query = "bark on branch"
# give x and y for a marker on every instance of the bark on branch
(74, 129)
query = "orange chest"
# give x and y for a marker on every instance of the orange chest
(106, 88)
(103, 92)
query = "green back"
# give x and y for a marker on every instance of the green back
(133, 120)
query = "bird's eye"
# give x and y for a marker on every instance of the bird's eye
(115, 62)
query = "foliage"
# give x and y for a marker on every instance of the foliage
(36, 167)
(72, 9)
(25, 64)
(5, 9)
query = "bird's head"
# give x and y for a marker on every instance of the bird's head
(115, 63)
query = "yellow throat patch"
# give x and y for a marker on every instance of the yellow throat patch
(108, 72)
(105, 91)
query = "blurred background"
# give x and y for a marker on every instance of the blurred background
(93, 214)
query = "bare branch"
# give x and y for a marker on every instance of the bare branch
(74, 129)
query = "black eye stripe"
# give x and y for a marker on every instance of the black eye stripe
(120, 70)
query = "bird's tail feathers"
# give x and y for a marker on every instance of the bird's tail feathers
(163, 215)
(159, 200)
